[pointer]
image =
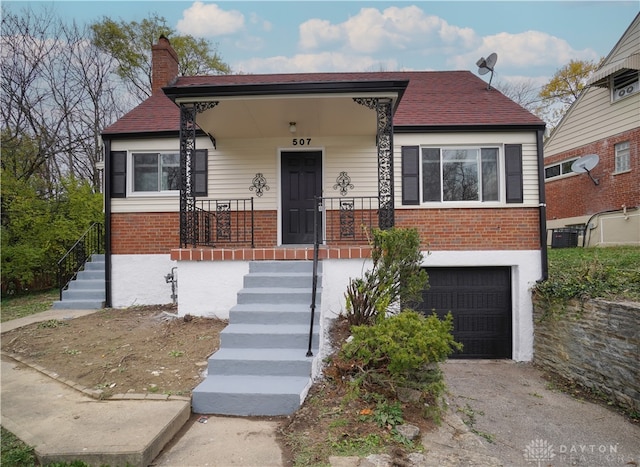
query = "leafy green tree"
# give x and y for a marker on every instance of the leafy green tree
(130, 44)
(564, 88)
(39, 222)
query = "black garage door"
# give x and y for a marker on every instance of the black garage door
(480, 301)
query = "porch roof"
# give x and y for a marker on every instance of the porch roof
(425, 101)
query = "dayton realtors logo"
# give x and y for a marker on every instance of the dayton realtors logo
(539, 451)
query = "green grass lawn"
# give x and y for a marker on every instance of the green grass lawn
(25, 305)
(612, 273)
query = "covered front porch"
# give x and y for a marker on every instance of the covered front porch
(320, 169)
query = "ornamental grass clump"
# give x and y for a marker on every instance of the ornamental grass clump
(395, 276)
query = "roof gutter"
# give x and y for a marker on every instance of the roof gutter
(544, 260)
(107, 220)
(356, 88)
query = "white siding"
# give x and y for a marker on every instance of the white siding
(234, 164)
(529, 160)
(594, 116)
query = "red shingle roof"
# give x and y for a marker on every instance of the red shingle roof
(432, 98)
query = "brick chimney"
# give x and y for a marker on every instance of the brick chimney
(164, 65)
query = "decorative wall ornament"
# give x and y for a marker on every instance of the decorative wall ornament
(259, 183)
(343, 182)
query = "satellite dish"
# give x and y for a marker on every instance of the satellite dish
(486, 65)
(586, 164)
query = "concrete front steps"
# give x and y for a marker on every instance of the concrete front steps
(87, 290)
(261, 367)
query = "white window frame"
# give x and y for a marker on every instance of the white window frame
(462, 203)
(622, 157)
(625, 84)
(563, 173)
(131, 176)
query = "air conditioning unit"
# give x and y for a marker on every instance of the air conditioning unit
(626, 90)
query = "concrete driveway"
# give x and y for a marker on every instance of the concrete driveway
(523, 421)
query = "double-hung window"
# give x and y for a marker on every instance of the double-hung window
(460, 174)
(622, 157)
(156, 172)
(146, 173)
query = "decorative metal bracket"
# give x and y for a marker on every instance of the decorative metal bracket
(368, 102)
(343, 182)
(204, 106)
(259, 183)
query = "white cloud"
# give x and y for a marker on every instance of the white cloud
(523, 50)
(395, 28)
(311, 63)
(209, 20)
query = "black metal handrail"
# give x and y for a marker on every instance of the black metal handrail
(91, 242)
(224, 222)
(314, 284)
(350, 219)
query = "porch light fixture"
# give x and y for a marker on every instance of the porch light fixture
(292, 127)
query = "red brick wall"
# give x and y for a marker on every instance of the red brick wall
(578, 195)
(440, 229)
(158, 233)
(474, 229)
(144, 233)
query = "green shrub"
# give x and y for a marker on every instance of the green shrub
(401, 346)
(396, 275)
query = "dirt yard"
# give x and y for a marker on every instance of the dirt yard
(152, 350)
(133, 350)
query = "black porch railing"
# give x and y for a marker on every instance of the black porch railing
(350, 219)
(91, 242)
(228, 222)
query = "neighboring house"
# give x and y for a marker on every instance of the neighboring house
(438, 151)
(603, 121)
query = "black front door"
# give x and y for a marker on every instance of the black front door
(301, 174)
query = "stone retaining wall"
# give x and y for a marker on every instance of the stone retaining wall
(596, 344)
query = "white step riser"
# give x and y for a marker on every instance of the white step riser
(78, 305)
(267, 341)
(249, 395)
(283, 267)
(83, 294)
(244, 405)
(273, 280)
(86, 284)
(274, 296)
(90, 275)
(268, 317)
(260, 367)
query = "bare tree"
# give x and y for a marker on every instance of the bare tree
(523, 92)
(59, 91)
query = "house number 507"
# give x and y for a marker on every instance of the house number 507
(301, 141)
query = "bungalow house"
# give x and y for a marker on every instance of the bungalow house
(226, 182)
(601, 129)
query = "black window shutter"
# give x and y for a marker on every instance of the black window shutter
(200, 174)
(118, 174)
(513, 172)
(410, 175)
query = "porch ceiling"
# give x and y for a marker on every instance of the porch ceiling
(264, 117)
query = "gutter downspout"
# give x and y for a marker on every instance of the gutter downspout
(544, 262)
(107, 221)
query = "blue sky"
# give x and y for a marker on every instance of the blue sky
(532, 39)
